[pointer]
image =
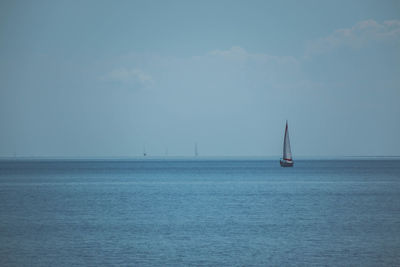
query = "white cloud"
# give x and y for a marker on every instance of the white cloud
(131, 77)
(244, 69)
(240, 54)
(360, 34)
(235, 52)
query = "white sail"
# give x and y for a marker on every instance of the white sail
(287, 153)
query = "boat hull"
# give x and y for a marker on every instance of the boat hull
(285, 163)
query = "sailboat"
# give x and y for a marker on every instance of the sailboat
(196, 153)
(286, 160)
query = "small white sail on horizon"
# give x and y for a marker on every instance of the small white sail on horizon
(287, 160)
(287, 153)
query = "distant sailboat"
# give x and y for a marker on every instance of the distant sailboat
(196, 153)
(286, 160)
(144, 152)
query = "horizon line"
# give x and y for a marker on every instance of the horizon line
(164, 157)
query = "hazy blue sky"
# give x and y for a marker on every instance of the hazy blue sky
(105, 78)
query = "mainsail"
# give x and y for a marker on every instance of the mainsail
(287, 153)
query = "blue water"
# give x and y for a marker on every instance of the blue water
(199, 212)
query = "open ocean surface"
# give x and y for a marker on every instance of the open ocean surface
(200, 212)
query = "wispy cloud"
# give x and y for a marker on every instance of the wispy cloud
(361, 34)
(238, 53)
(129, 77)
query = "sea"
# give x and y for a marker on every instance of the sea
(199, 212)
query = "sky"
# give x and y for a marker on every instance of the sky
(112, 78)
